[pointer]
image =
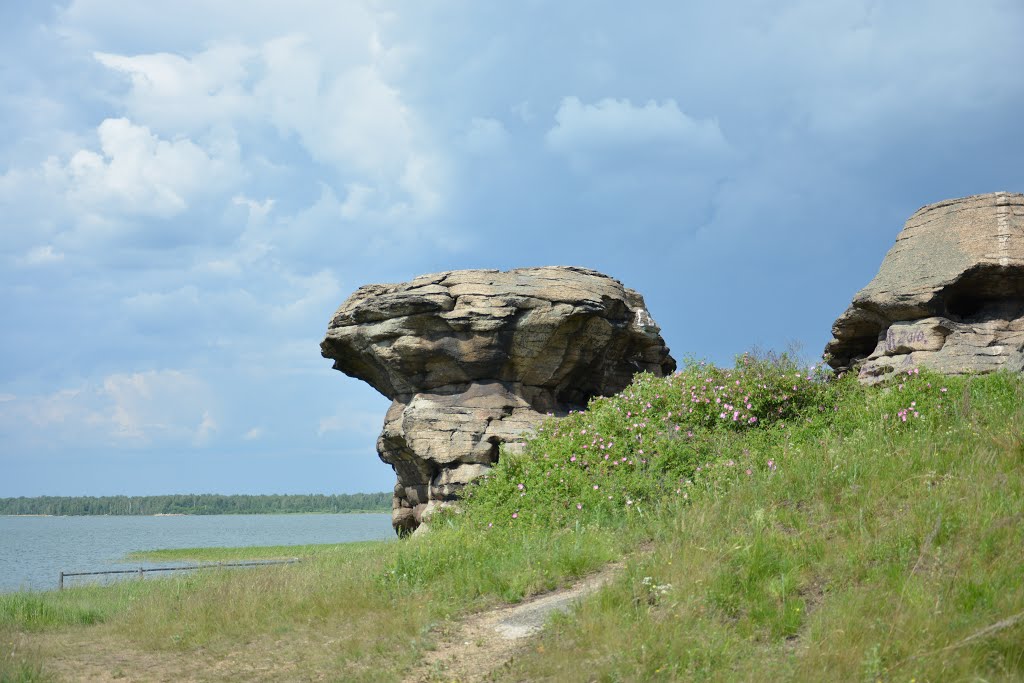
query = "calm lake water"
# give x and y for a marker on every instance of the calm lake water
(34, 550)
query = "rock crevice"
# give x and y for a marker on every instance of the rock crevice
(474, 359)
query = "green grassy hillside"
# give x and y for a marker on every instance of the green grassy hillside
(776, 523)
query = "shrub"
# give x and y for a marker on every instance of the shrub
(661, 439)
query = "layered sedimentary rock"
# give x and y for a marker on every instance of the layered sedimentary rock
(949, 295)
(474, 359)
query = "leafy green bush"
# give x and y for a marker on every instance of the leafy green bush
(661, 438)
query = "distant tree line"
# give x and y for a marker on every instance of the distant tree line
(196, 504)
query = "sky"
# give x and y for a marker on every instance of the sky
(189, 190)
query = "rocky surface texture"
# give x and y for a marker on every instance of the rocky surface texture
(949, 295)
(474, 359)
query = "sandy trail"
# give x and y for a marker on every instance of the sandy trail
(481, 643)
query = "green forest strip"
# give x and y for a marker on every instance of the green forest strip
(197, 504)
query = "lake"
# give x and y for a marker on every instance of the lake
(34, 550)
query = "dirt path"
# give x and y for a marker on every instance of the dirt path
(481, 643)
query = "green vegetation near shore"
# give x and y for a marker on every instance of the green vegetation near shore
(776, 524)
(261, 552)
(197, 504)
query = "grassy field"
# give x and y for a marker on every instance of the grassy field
(775, 523)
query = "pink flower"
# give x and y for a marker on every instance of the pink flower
(572, 459)
(521, 487)
(515, 515)
(596, 487)
(579, 506)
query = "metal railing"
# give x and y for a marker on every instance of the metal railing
(142, 571)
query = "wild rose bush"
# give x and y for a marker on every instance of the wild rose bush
(911, 397)
(661, 438)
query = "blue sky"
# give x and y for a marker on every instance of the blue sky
(188, 190)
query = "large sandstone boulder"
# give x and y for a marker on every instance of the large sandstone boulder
(949, 295)
(474, 359)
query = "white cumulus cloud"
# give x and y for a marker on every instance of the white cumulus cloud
(158, 403)
(136, 172)
(338, 105)
(175, 94)
(612, 126)
(121, 409)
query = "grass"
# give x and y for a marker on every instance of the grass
(271, 552)
(846, 533)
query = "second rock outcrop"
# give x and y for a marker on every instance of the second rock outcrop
(949, 295)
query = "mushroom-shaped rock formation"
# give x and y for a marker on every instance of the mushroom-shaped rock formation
(473, 359)
(949, 295)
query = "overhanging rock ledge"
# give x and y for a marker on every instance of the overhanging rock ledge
(473, 359)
